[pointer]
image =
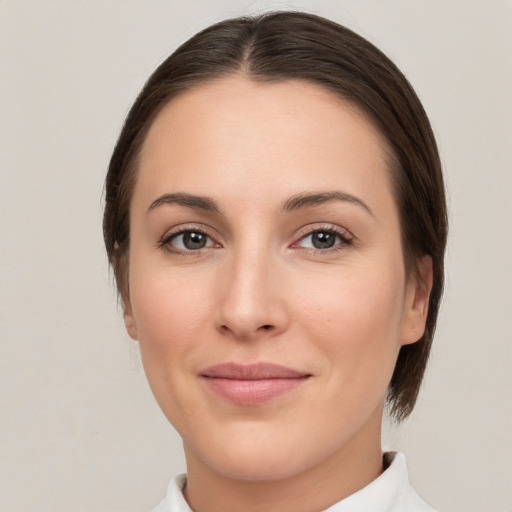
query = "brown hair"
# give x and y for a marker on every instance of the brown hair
(292, 45)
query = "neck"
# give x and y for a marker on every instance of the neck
(340, 475)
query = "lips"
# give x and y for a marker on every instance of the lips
(252, 384)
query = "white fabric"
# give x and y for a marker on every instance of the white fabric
(390, 492)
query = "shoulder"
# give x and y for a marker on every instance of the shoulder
(412, 502)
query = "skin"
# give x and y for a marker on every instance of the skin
(260, 291)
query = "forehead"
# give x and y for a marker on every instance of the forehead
(251, 136)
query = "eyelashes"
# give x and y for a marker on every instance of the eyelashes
(193, 241)
(187, 241)
(323, 239)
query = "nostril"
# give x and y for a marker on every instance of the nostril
(266, 327)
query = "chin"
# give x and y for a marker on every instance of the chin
(259, 465)
(256, 454)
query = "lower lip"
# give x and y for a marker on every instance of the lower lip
(252, 392)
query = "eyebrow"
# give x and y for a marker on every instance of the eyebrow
(307, 200)
(296, 202)
(188, 200)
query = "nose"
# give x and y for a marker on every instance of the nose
(252, 302)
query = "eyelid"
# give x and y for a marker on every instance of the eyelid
(172, 233)
(163, 243)
(345, 235)
(313, 228)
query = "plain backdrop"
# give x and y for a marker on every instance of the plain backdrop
(79, 428)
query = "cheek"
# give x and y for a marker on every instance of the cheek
(355, 318)
(169, 310)
(355, 296)
(166, 308)
(170, 313)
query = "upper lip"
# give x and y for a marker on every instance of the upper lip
(255, 371)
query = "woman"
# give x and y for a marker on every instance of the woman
(276, 220)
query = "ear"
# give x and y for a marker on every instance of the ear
(417, 297)
(129, 319)
(121, 271)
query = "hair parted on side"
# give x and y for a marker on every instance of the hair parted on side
(294, 45)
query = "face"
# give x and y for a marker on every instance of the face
(266, 280)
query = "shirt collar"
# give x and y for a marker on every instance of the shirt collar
(384, 494)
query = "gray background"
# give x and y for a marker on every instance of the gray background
(79, 429)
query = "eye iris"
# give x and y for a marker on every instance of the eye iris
(194, 240)
(323, 240)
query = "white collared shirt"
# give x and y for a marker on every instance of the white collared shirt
(390, 492)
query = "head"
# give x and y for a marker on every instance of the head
(358, 113)
(294, 46)
(276, 196)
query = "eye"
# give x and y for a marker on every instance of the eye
(323, 239)
(189, 240)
